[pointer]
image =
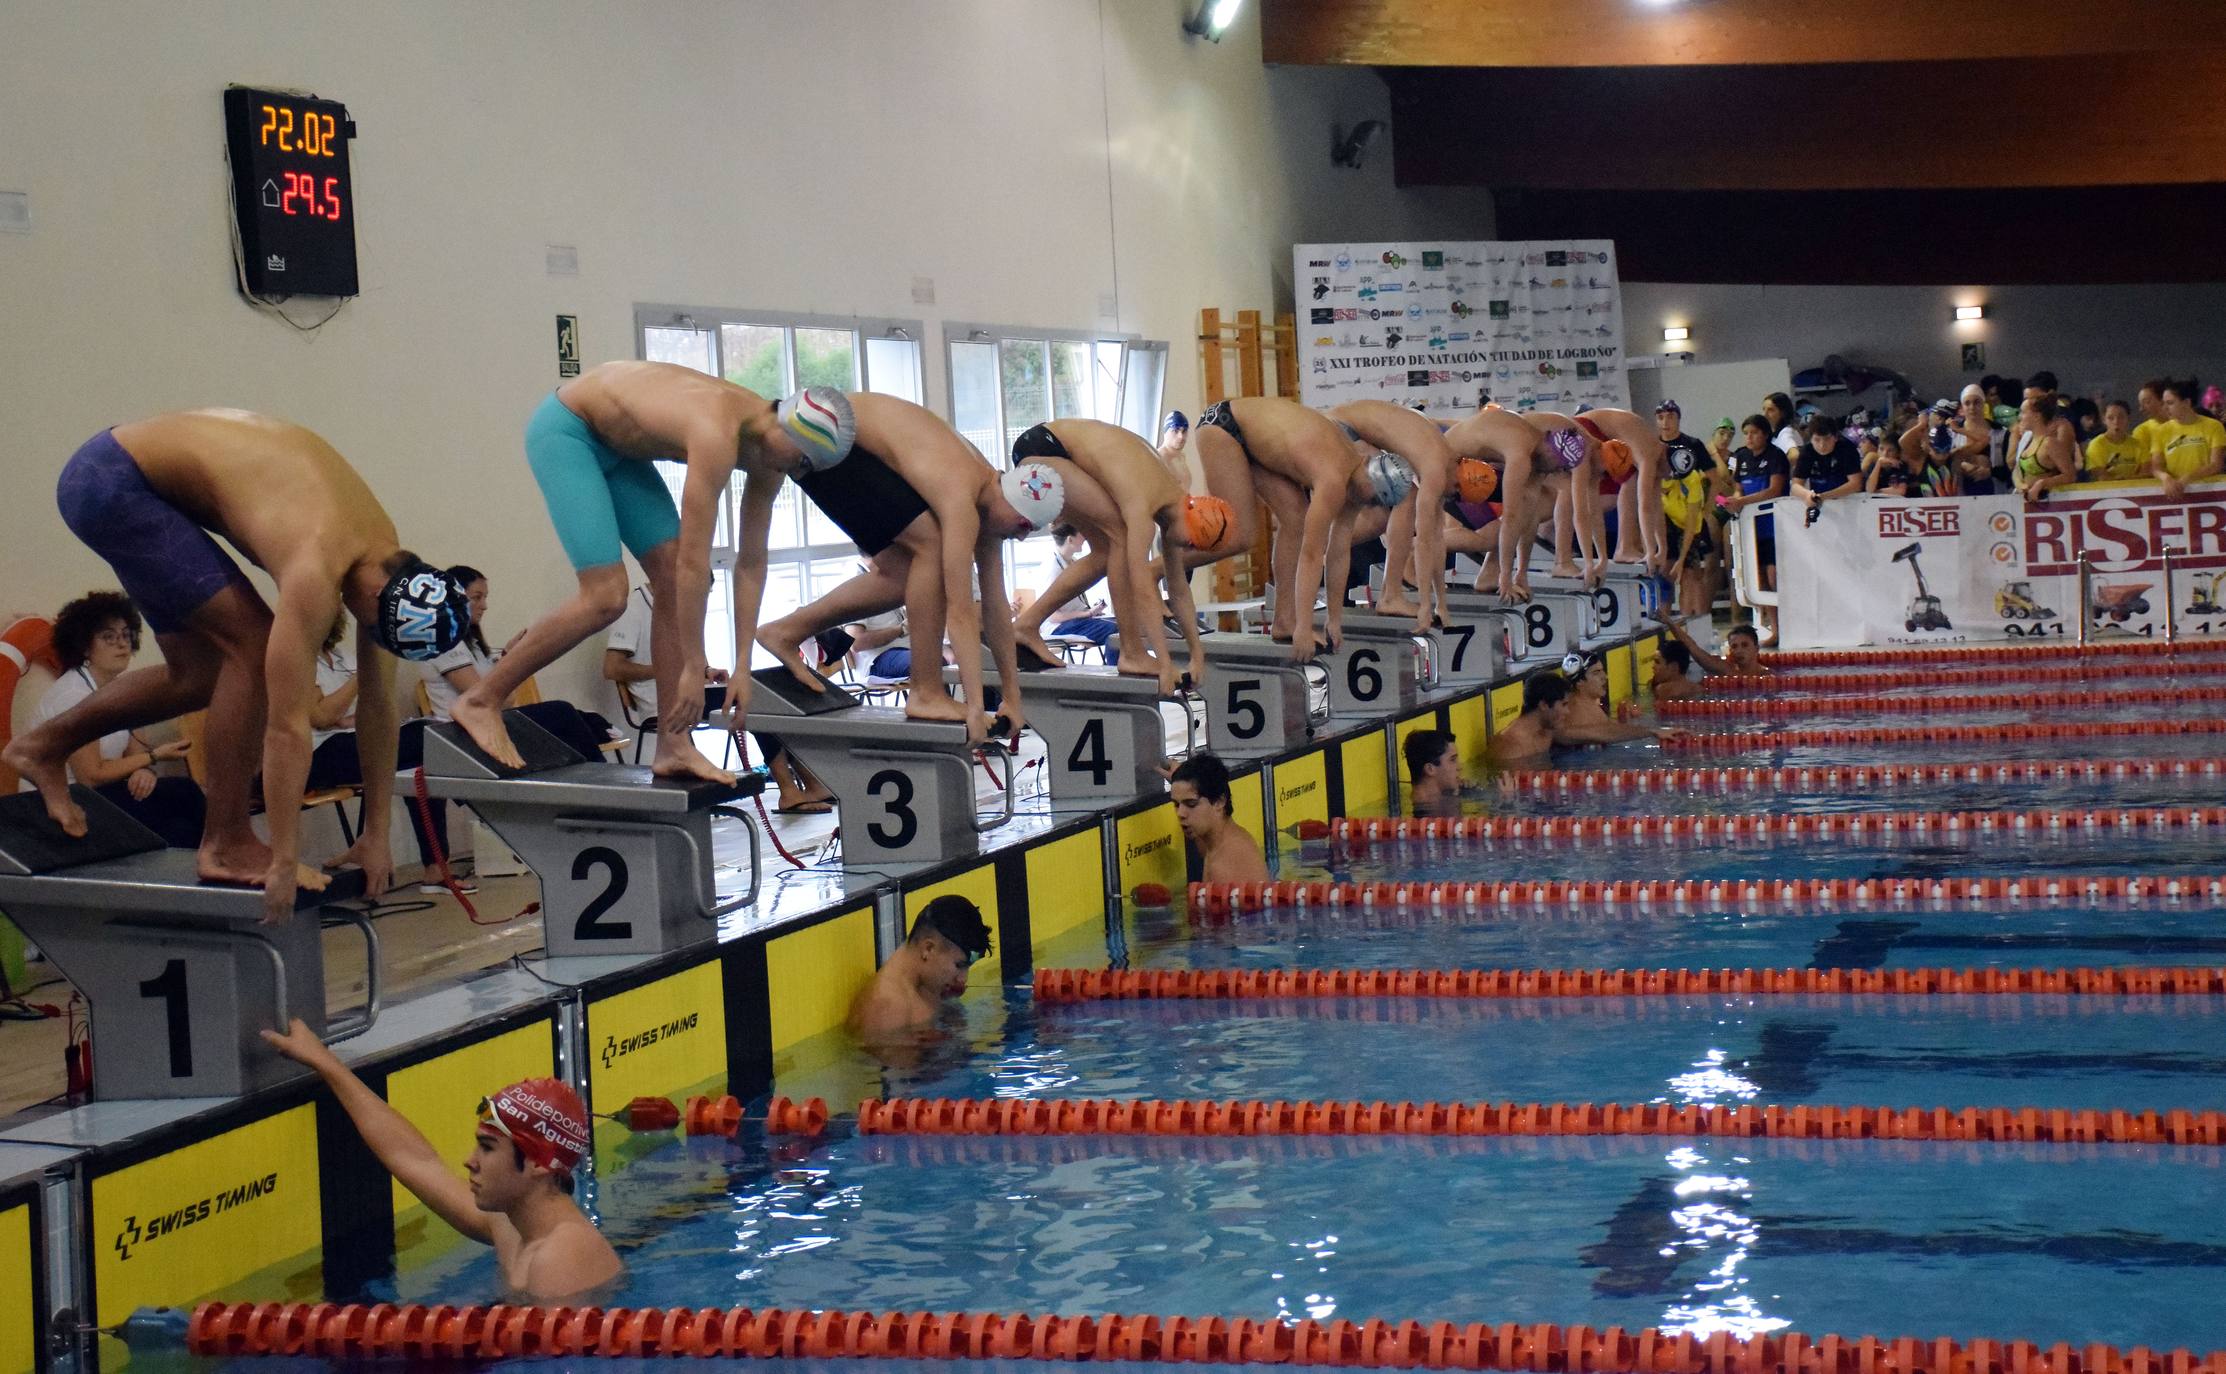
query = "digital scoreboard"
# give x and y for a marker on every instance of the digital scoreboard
(291, 197)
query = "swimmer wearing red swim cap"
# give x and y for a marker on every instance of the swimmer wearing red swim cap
(517, 1191)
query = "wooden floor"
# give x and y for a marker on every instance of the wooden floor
(429, 940)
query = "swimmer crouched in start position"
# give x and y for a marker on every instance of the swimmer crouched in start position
(518, 1197)
(923, 976)
(1199, 788)
(145, 497)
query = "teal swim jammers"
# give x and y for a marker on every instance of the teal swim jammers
(597, 497)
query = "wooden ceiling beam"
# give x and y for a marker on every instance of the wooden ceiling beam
(1654, 33)
(2059, 122)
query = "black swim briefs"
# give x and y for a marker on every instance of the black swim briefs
(1222, 418)
(1037, 442)
(865, 498)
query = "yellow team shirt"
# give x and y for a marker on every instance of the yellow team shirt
(2186, 448)
(2115, 460)
(2144, 434)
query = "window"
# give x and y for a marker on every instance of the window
(774, 354)
(1004, 380)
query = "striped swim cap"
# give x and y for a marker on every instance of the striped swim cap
(819, 420)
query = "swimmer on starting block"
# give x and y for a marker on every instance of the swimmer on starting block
(1314, 478)
(924, 975)
(1632, 476)
(145, 497)
(1579, 459)
(1498, 438)
(516, 1195)
(1415, 532)
(1433, 773)
(931, 516)
(591, 444)
(1199, 788)
(1530, 737)
(1146, 499)
(1742, 651)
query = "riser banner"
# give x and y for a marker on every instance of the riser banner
(1533, 324)
(1996, 568)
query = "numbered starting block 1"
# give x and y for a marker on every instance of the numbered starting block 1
(1256, 696)
(624, 856)
(905, 787)
(1618, 603)
(180, 975)
(1104, 739)
(1380, 664)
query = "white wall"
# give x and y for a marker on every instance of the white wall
(2107, 338)
(1032, 157)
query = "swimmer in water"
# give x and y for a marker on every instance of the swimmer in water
(1675, 676)
(517, 1191)
(923, 976)
(1588, 721)
(1433, 773)
(1199, 787)
(1742, 651)
(1530, 738)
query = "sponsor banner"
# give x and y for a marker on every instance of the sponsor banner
(662, 1039)
(1471, 720)
(440, 1097)
(1246, 806)
(812, 974)
(1885, 571)
(198, 1221)
(19, 1322)
(1148, 845)
(1366, 781)
(1302, 789)
(1066, 888)
(1533, 324)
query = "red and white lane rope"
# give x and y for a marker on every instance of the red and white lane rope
(2021, 675)
(1798, 896)
(1857, 777)
(1358, 831)
(1058, 986)
(2006, 732)
(1780, 708)
(1994, 653)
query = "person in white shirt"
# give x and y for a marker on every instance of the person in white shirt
(95, 637)
(1777, 408)
(1081, 617)
(627, 664)
(332, 721)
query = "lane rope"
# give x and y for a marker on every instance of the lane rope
(1853, 777)
(1955, 677)
(1992, 653)
(1063, 986)
(417, 1333)
(1357, 832)
(1256, 1117)
(1806, 896)
(1999, 733)
(1780, 708)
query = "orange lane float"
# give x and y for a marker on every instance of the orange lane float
(1357, 832)
(1069, 985)
(1858, 777)
(723, 1116)
(1944, 734)
(1791, 895)
(1783, 707)
(1993, 653)
(2021, 676)
(1009, 1116)
(415, 1333)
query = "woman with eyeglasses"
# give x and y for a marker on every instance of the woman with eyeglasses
(95, 636)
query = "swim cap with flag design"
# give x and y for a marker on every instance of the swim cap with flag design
(1474, 480)
(1391, 478)
(1037, 491)
(1206, 521)
(423, 612)
(544, 1118)
(819, 420)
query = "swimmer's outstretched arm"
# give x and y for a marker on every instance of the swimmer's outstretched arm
(401, 1147)
(1708, 662)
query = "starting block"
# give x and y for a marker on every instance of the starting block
(1256, 696)
(179, 974)
(1525, 634)
(1104, 739)
(905, 787)
(624, 856)
(1617, 603)
(1550, 624)
(1382, 664)
(1473, 645)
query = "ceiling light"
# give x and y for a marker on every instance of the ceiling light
(1970, 312)
(1209, 19)
(1676, 333)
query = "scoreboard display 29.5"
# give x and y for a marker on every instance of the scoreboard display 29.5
(291, 195)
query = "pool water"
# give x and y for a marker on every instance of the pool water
(2117, 1244)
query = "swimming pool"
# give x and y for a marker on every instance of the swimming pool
(2059, 1242)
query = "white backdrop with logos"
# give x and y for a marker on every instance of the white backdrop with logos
(1884, 570)
(1533, 324)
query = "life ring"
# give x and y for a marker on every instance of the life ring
(29, 640)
